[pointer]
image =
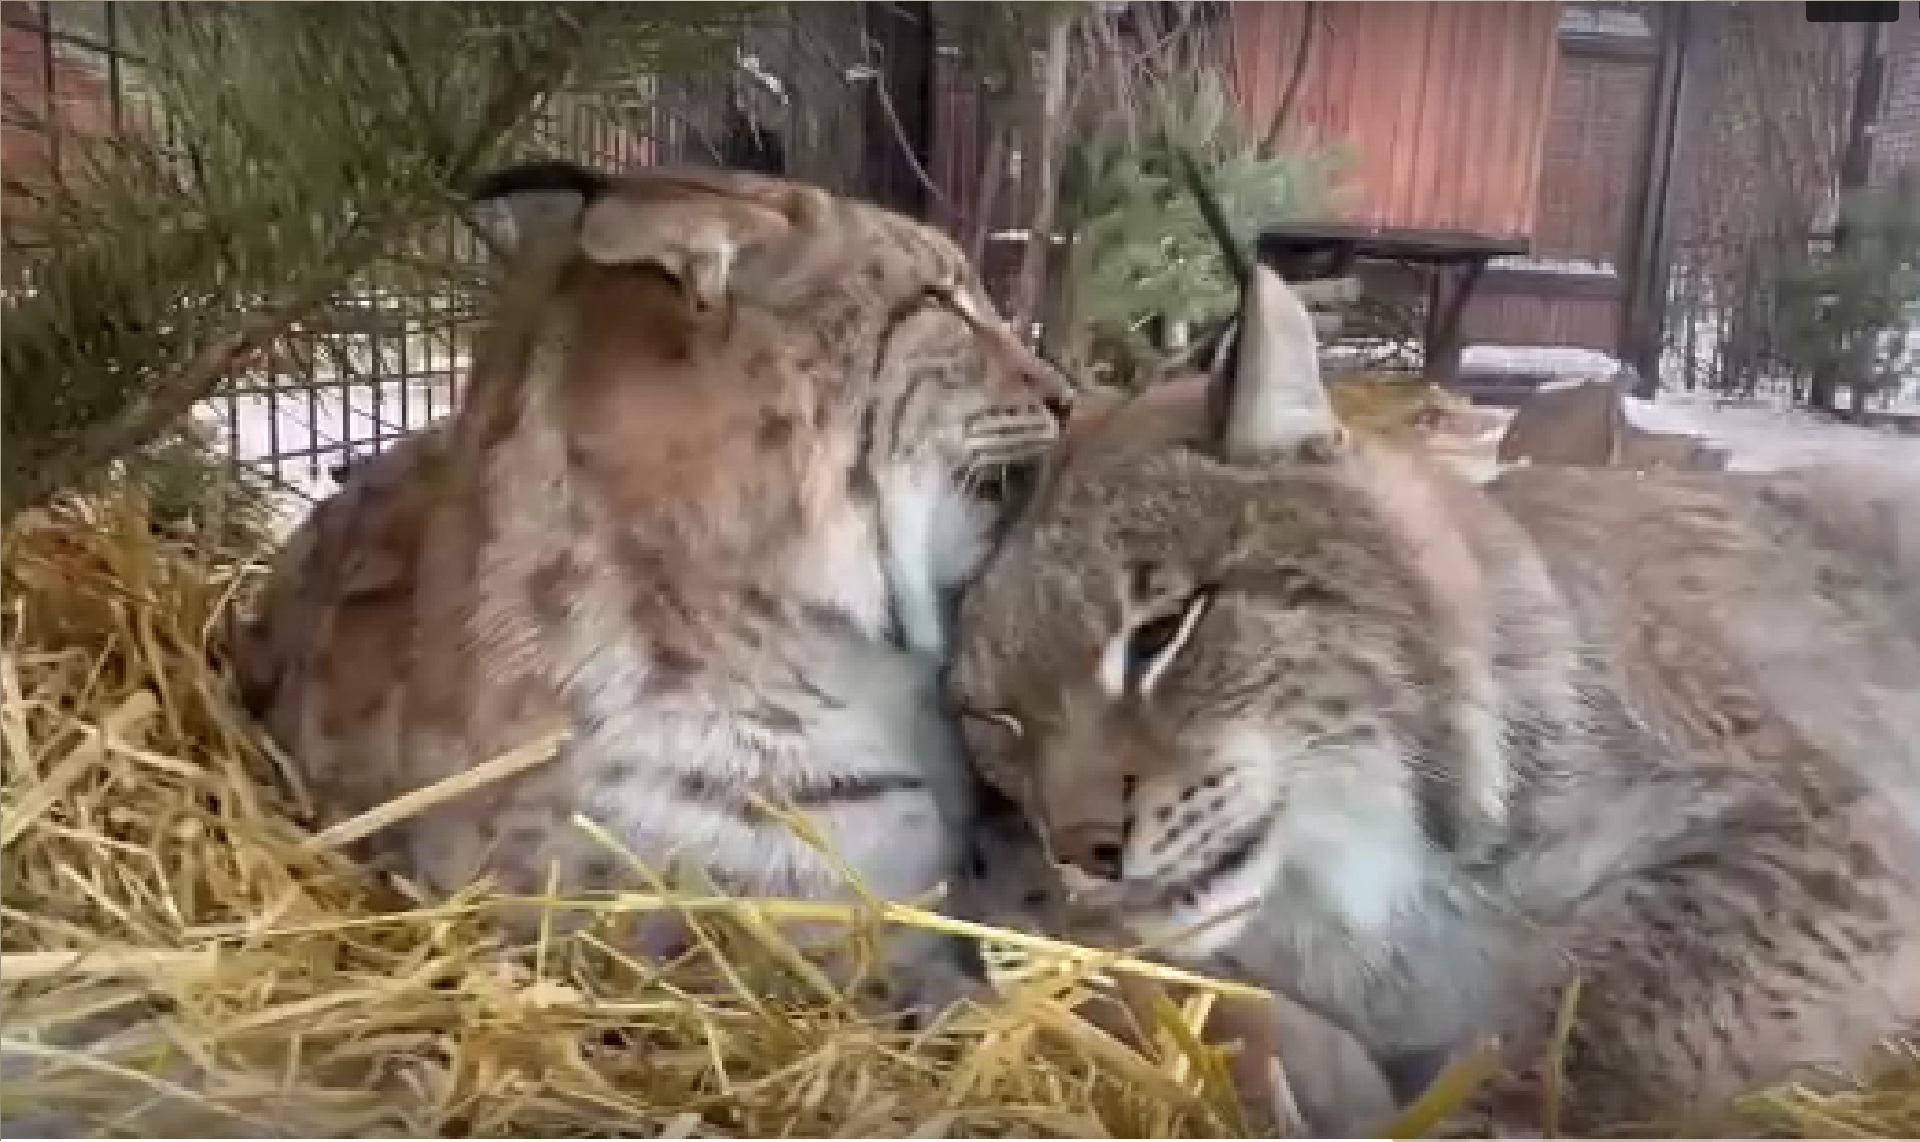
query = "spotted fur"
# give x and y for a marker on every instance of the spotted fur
(1417, 753)
(705, 517)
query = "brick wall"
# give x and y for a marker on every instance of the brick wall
(78, 96)
(1593, 139)
(1898, 143)
(1588, 164)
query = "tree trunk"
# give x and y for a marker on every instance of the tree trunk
(1649, 249)
(1856, 167)
(1040, 169)
(993, 175)
(1302, 57)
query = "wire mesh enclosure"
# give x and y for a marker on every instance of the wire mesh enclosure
(372, 370)
(383, 360)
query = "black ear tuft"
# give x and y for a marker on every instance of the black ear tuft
(540, 176)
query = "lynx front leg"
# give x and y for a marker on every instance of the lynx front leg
(1710, 976)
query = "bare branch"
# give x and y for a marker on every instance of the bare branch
(1310, 17)
(879, 81)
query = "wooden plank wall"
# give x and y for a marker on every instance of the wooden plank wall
(1443, 104)
(1589, 161)
(1535, 309)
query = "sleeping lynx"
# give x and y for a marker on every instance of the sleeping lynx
(1417, 753)
(703, 507)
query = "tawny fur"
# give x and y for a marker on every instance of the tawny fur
(712, 535)
(1417, 752)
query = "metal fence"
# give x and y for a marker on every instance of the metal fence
(799, 101)
(378, 370)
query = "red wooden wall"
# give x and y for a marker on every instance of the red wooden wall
(1444, 105)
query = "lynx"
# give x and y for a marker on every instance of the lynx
(703, 509)
(1418, 753)
(1294, 1072)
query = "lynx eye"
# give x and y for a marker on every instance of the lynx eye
(1152, 646)
(954, 296)
(1151, 639)
(1001, 720)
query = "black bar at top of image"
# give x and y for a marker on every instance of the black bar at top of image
(1852, 11)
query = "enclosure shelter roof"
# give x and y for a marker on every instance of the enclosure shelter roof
(1432, 247)
(1443, 105)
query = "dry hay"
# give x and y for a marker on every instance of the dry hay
(180, 956)
(1404, 405)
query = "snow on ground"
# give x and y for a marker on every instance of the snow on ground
(1765, 439)
(1547, 360)
(331, 425)
(1565, 267)
(1757, 438)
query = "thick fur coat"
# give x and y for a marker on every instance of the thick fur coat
(1418, 754)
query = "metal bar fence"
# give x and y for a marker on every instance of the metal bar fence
(347, 392)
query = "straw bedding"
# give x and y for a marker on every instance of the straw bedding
(180, 955)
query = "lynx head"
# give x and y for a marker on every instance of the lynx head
(1212, 654)
(777, 361)
(718, 238)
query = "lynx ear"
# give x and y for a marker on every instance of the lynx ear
(536, 203)
(696, 236)
(693, 225)
(1267, 398)
(1270, 399)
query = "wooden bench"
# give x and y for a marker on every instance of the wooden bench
(1454, 260)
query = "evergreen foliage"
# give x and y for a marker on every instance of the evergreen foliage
(295, 150)
(1852, 313)
(1142, 264)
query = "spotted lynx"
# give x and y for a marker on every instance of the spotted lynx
(1418, 753)
(703, 507)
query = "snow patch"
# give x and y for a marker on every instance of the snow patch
(1759, 436)
(265, 431)
(1565, 267)
(1763, 438)
(1561, 384)
(1553, 360)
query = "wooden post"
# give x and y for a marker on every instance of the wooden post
(1451, 284)
(1649, 242)
(1856, 168)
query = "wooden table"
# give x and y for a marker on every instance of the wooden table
(1455, 261)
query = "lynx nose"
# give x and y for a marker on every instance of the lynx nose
(1060, 407)
(1093, 849)
(1056, 391)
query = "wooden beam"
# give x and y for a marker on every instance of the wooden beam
(1451, 286)
(1856, 169)
(1387, 243)
(1649, 241)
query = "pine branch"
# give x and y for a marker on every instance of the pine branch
(331, 139)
